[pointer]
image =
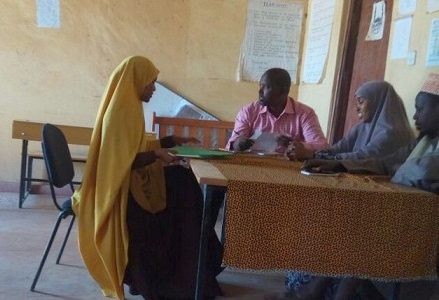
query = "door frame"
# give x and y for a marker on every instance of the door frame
(343, 75)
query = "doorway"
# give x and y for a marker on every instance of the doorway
(361, 61)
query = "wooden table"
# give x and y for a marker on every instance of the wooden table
(347, 190)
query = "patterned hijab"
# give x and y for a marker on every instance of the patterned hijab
(100, 203)
(389, 118)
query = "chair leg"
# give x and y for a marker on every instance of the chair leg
(46, 252)
(30, 162)
(65, 239)
(21, 196)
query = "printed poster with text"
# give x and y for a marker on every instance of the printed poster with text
(272, 38)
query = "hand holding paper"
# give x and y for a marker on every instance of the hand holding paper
(264, 142)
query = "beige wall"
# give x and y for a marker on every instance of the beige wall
(58, 75)
(408, 79)
(319, 96)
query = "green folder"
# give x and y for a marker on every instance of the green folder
(198, 152)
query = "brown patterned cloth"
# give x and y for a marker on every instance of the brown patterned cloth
(278, 219)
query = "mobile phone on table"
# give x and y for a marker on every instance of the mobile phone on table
(322, 173)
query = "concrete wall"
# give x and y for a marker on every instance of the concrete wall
(408, 79)
(319, 96)
(58, 75)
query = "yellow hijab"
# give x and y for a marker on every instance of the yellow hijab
(101, 202)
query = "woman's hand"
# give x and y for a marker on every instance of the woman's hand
(324, 154)
(178, 140)
(322, 166)
(166, 155)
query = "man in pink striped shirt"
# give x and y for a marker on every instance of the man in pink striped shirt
(276, 112)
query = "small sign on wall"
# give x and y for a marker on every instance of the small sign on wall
(376, 27)
(433, 45)
(401, 37)
(48, 15)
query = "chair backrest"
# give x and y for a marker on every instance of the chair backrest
(212, 134)
(57, 158)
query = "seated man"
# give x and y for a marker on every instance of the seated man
(416, 164)
(276, 112)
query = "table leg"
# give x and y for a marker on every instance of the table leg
(223, 225)
(205, 226)
(395, 290)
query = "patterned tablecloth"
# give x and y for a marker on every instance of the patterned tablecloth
(278, 219)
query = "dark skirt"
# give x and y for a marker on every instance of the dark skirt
(163, 247)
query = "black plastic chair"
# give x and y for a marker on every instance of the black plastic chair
(60, 173)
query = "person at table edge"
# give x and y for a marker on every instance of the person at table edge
(416, 164)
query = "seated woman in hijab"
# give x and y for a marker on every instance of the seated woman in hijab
(415, 164)
(384, 126)
(139, 216)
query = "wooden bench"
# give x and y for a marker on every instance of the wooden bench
(212, 134)
(31, 131)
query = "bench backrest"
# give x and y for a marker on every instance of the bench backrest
(31, 131)
(212, 134)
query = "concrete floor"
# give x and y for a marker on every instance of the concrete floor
(23, 237)
(24, 234)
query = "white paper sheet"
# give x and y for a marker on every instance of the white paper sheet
(433, 45)
(407, 7)
(401, 38)
(272, 38)
(48, 15)
(377, 22)
(319, 36)
(265, 142)
(432, 5)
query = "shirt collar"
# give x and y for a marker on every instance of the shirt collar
(289, 108)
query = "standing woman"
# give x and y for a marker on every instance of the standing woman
(138, 221)
(384, 126)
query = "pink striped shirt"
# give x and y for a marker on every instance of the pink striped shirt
(298, 121)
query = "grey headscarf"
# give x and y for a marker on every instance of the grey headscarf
(390, 116)
(388, 130)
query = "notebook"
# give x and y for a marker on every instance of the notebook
(198, 152)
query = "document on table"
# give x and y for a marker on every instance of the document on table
(265, 142)
(198, 152)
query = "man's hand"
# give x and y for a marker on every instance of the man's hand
(320, 165)
(242, 143)
(300, 152)
(166, 155)
(283, 141)
(178, 140)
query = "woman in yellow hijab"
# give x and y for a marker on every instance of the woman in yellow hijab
(138, 221)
